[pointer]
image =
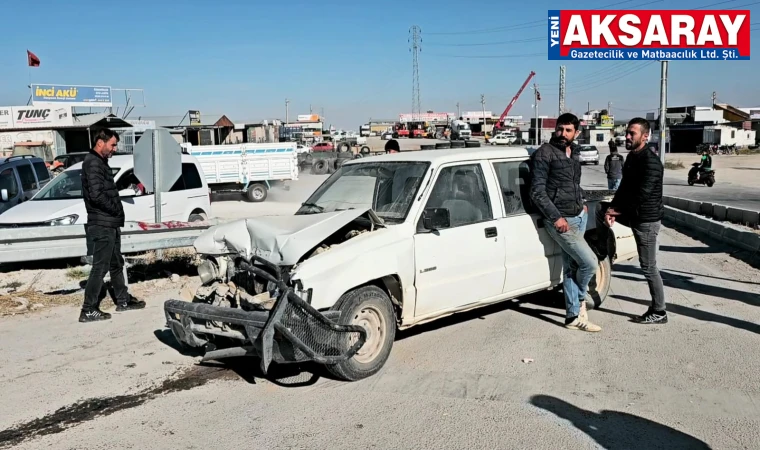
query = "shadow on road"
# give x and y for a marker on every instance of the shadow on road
(695, 314)
(679, 249)
(618, 430)
(546, 298)
(710, 276)
(686, 283)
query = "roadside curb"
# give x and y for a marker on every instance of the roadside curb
(726, 233)
(715, 211)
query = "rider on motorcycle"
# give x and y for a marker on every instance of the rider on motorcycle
(705, 165)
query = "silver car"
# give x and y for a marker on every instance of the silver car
(589, 154)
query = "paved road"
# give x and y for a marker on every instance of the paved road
(459, 383)
(725, 191)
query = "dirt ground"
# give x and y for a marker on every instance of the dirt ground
(738, 169)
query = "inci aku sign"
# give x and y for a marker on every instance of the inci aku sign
(649, 35)
(68, 95)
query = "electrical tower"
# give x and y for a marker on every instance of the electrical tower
(561, 89)
(415, 46)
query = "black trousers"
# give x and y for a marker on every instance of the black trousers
(106, 257)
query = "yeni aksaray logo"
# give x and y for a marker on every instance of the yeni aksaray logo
(649, 35)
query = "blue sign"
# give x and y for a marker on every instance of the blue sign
(64, 94)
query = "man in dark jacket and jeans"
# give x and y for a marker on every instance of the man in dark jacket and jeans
(638, 204)
(556, 191)
(613, 167)
(105, 217)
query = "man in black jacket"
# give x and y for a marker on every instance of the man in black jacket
(556, 191)
(638, 204)
(613, 167)
(105, 217)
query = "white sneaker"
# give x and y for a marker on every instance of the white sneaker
(583, 325)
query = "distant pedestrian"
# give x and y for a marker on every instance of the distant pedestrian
(105, 217)
(556, 191)
(638, 204)
(392, 146)
(613, 167)
(612, 144)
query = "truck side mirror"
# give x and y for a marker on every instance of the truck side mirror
(4, 195)
(434, 219)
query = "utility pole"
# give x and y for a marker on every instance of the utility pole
(663, 106)
(310, 109)
(609, 108)
(415, 41)
(459, 113)
(535, 105)
(562, 70)
(714, 96)
(483, 105)
(287, 118)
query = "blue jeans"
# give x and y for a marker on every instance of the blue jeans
(579, 262)
(613, 183)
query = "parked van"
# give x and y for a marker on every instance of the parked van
(61, 201)
(21, 177)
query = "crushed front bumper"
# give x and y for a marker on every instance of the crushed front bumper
(292, 331)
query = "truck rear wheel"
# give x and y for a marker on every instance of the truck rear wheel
(599, 286)
(257, 192)
(369, 307)
(320, 166)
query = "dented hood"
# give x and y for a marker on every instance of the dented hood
(281, 240)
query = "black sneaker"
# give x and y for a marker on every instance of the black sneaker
(95, 315)
(132, 304)
(652, 317)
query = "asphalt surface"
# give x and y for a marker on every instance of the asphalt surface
(457, 383)
(729, 192)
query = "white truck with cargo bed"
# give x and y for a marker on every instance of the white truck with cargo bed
(249, 168)
(385, 243)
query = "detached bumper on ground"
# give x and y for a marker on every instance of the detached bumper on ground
(292, 331)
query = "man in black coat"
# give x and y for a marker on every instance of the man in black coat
(556, 191)
(638, 204)
(613, 167)
(105, 217)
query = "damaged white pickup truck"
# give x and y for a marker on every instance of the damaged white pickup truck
(385, 243)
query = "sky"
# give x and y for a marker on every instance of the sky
(348, 59)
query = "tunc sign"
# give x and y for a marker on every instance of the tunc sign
(35, 117)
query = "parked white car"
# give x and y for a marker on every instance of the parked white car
(503, 139)
(60, 202)
(385, 243)
(589, 154)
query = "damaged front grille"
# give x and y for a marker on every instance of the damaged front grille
(303, 332)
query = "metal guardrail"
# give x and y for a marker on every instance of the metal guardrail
(69, 241)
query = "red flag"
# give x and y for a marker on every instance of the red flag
(32, 59)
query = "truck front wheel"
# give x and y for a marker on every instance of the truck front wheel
(369, 307)
(599, 286)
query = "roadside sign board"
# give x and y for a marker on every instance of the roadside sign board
(71, 95)
(157, 155)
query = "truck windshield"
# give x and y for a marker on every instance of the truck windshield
(66, 186)
(387, 187)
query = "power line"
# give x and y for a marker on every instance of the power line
(614, 79)
(513, 41)
(521, 55)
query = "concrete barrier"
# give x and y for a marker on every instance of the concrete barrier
(719, 212)
(726, 233)
(706, 209)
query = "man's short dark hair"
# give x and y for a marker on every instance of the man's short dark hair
(392, 145)
(643, 123)
(105, 135)
(569, 119)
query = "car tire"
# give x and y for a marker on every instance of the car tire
(320, 166)
(257, 192)
(196, 218)
(344, 145)
(370, 307)
(599, 286)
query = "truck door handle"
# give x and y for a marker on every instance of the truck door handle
(491, 232)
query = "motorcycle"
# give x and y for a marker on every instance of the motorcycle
(696, 176)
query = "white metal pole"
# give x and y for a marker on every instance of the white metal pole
(663, 107)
